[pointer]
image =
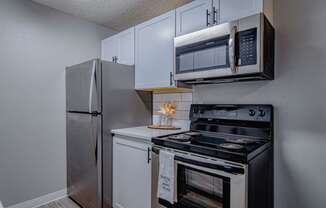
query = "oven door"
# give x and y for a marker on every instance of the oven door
(203, 184)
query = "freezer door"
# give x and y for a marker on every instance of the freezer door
(83, 87)
(84, 159)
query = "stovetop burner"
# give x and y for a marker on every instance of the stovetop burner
(180, 138)
(232, 146)
(192, 133)
(241, 141)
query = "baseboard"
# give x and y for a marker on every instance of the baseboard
(37, 202)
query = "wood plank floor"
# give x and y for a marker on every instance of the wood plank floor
(62, 203)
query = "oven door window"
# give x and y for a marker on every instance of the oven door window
(206, 55)
(200, 189)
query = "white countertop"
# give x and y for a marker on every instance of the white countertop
(142, 132)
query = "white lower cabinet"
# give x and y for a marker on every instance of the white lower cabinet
(131, 173)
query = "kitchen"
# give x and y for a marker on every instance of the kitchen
(39, 42)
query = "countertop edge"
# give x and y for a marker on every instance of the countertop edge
(137, 136)
(144, 133)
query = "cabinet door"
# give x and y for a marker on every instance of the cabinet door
(235, 9)
(193, 16)
(127, 47)
(110, 48)
(154, 52)
(131, 174)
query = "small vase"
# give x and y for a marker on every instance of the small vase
(157, 120)
(167, 121)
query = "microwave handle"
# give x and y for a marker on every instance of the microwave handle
(232, 49)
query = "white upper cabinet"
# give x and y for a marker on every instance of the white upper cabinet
(110, 48)
(200, 14)
(194, 16)
(154, 52)
(127, 47)
(120, 47)
(235, 9)
(131, 174)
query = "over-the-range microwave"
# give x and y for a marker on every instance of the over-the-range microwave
(240, 50)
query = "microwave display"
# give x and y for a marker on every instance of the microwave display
(213, 54)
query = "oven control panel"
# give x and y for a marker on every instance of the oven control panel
(261, 113)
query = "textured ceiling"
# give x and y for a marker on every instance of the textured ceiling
(115, 14)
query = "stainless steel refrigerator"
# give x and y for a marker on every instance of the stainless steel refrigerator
(100, 96)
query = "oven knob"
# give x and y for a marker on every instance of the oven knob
(262, 113)
(252, 112)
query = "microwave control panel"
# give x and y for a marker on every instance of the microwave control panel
(247, 47)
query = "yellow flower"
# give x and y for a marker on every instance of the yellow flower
(168, 109)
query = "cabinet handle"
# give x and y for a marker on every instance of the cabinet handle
(207, 17)
(115, 59)
(215, 16)
(171, 78)
(149, 155)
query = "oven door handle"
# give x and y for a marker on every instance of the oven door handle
(227, 169)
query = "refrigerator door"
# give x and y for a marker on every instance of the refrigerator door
(122, 107)
(84, 159)
(83, 87)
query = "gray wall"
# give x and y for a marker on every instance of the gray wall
(36, 43)
(299, 96)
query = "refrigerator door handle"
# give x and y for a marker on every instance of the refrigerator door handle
(95, 124)
(96, 145)
(91, 87)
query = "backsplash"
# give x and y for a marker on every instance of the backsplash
(183, 102)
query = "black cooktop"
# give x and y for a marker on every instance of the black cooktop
(235, 149)
(232, 132)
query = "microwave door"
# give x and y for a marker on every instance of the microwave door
(203, 61)
(207, 53)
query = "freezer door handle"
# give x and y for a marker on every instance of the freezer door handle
(91, 88)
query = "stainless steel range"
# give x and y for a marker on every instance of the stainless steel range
(224, 161)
